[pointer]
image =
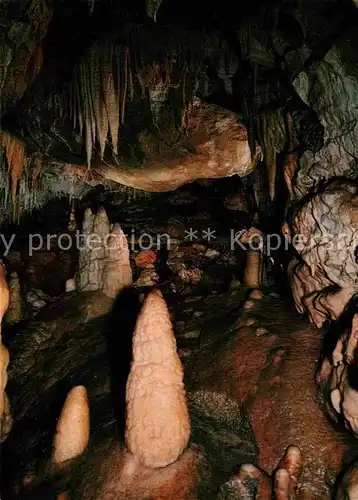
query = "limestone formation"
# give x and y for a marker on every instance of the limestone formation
(251, 483)
(117, 272)
(252, 273)
(148, 277)
(95, 230)
(6, 421)
(329, 88)
(36, 299)
(220, 148)
(325, 234)
(104, 256)
(4, 292)
(146, 259)
(289, 171)
(5, 413)
(73, 427)
(4, 409)
(70, 285)
(15, 311)
(348, 486)
(336, 375)
(269, 368)
(157, 425)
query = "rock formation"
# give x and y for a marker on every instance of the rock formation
(15, 310)
(325, 236)
(73, 427)
(157, 422)
(5, 410)
(103, 256)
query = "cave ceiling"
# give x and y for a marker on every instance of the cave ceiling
(151, 95)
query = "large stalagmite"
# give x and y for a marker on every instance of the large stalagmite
(157, 425)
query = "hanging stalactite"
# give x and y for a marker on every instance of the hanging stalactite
(96, 98)
(15, 154)
(273, 133)
(21, 186)
(110, 75)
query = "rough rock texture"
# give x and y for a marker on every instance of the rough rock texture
(148, 277)
(146, 259)
(62, 335)
(251, 483)
(49, 266)
(21, 50)
(122, 479)
(15, 311)
(306, 289)
(216, 146)
(325, 230)
(104, 256)
(278, 388)
(4, 408)
(348, 487)
(4, 292)
(213, 145)
(52, 327)
(290, 45)
(336, 375)
(252, 355)
(5, 412)
(157, 419)
(117, 272)
(6, 422)
(91, 260)
(36, 299)
(186, 261)
(329, 87)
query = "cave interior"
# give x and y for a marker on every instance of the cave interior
(179, 250)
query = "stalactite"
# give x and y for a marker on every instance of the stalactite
(97, 97)
(111, 73)
(112, 102)
(274, 139)
(87, 105)
(23, 186)
(15, 155)
(100, 108)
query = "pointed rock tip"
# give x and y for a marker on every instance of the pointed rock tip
(73, 427)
